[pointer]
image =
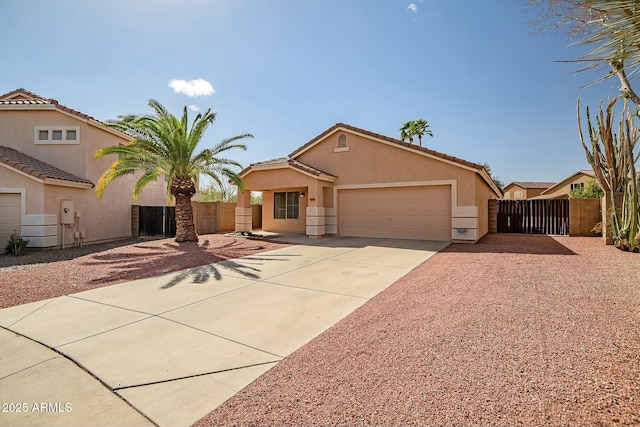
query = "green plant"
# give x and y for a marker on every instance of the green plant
(166, 145)
(590, 191)
(612, 156)
(413, 128)
(16, 245)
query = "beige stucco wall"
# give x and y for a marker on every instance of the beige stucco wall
(510, 192)
(483, 193)
(369, 161)
(527, 193)
(565, 187)
(105, 219)
(366, 163)
(283, 225)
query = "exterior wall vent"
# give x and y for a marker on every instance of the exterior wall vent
(342, 141)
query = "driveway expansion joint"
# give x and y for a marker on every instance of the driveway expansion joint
(83, 368)
(203, 374)
(221, 337)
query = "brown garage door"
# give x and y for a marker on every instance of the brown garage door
(422, 213)
(9, 217)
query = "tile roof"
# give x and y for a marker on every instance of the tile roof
(527, 184)
(37, 168)
(387, 139)
(291, 162)
(20, 97)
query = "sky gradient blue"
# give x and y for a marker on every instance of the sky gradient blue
(286, 70)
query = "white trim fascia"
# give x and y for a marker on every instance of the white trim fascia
(253, 168)
(391, 144)
(483, 173)
(319, 141)
(64, 183)
(28, 107)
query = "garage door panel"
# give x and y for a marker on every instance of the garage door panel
(402, 212)
(9, 215)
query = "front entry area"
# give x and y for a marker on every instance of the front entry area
(419, 213)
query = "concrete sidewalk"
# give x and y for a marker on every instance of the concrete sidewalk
(169, 349)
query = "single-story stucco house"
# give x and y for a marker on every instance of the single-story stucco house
(348, 181)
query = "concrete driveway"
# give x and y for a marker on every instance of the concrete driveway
(167, 350)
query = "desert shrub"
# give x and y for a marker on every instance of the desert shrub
(16, 245)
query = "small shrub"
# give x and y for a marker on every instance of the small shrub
(16, 245)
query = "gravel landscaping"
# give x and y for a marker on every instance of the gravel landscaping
(515, 330)
(46, 274)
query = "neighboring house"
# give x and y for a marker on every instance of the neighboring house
(352, 182)
(561, 189)
(525, 190)
(48, 174)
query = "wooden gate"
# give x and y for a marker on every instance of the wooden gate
(157, 221)
(533, 216)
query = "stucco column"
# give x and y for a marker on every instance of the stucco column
(315, 211)
(607, 211)
(243, 211)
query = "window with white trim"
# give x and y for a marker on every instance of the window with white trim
(518, 194)
(577, 186)
(57, 135)
(286, 205)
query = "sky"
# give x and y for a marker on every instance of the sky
(488, 83)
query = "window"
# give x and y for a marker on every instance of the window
(577, 186)
(286, 205)
(518, 194)
(57, 135)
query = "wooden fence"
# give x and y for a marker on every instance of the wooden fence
(209, 217)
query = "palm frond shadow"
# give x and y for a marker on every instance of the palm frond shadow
(203, 274)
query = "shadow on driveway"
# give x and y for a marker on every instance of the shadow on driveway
(534, 244)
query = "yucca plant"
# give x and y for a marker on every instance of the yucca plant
(16, 245)
(613, 160)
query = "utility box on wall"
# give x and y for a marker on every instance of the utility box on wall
(66, 212)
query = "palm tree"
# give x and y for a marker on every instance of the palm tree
(415, 128)
(610, 27)
(407, 132)
(164, 145)
(421, 127)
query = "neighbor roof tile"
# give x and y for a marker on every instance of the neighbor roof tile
(35, 167)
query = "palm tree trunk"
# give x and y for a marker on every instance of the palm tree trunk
(183, 190)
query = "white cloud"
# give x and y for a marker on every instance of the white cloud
(198, 87)
(413, 7)
(193, 108)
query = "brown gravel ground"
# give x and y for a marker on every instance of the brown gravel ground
(515, 330)
(46, 274)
